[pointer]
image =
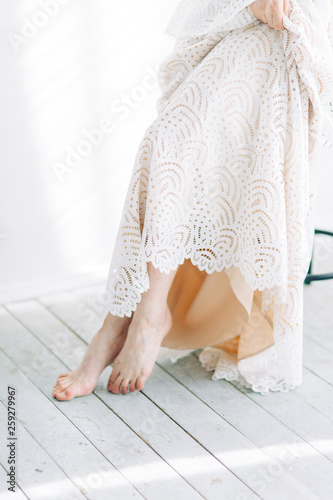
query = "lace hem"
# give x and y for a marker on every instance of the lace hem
(271, 289)
(250, 372)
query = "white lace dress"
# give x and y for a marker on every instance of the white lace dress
(225, 179)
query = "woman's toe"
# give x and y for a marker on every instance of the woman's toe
(63, 384)
(116, 385)
(114, 375)
(124, 386)
(132, 387)
(65, 394)
(112, 379)
(140, 383)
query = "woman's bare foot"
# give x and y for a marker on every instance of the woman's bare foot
(136, 360)
(104, 347)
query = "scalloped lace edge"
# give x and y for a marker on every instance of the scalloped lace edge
(226, 367)
(251, 373)
(273, 291)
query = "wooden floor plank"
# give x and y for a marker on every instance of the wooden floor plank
(301, 418)
(225, 441)
(318, 316)
(262, 458)
(170, 440)
(282, 449)
(317, 393)
(318, 359)
(81, 311)
(37, 473)
(66, 318)
(68, 447)
(65, 314)
(306, 465)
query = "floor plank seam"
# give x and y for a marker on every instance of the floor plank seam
(318, 376)
(264, 409)
(64, 322)
(281, 422)
(319, 344)
(192, 437)
(71, 422)
(109, 408)
(39, 340)
(46, 452)
(147, 443)
(96, 395)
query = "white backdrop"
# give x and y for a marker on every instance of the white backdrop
(78, 92)
(72, 66)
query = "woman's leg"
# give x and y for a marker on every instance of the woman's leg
(151, 322)
(102, 350)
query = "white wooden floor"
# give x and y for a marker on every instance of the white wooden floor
(183, 437)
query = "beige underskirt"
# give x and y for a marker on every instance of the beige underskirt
(217, 310)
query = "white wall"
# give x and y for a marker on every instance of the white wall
(68, 75)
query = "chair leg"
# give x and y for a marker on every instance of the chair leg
(308, 280)
(318, 277)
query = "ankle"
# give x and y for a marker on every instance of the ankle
(152, 311)
(112, 321)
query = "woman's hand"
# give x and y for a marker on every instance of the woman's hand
(270, 12)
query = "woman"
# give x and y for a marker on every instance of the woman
(216, 231)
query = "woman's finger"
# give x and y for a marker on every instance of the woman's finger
(278, 16)
(286, 7)
(263, 19)
(270, 12)
(271, 22)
